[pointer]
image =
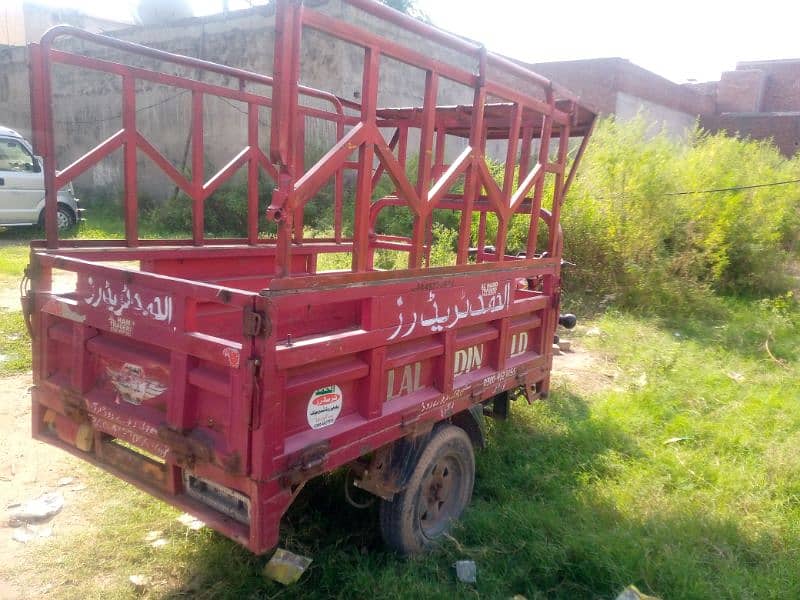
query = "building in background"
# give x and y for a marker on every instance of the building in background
(760, 99)
(616, 86)
(24, 22)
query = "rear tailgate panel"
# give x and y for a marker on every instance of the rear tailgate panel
(123, 355)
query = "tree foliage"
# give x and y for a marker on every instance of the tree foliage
(635, 233)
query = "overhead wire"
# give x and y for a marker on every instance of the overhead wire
(736, 188)
(119, 116)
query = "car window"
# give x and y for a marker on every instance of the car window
(14, 156)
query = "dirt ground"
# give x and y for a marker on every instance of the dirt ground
(585, 372)
(9, 289)
(63, 281)
(29, 468)
(9, 294)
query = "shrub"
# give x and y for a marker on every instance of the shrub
(635, 234)
(225, 212)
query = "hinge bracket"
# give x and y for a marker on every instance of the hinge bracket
(255, 323)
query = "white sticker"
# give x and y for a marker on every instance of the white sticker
(324, 406)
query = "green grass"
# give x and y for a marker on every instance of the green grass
(681, 476)
(13, 258)
(15, 345)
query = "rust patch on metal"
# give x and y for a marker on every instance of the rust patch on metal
(133, 463)
(74, 406)
(187, 450)
(306, 464)
(232, 463)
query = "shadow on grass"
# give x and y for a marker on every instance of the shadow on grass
(535, 527)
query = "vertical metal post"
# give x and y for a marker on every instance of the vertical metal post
(441, 139)
(525, 151)
(481, 242)
(558, 191)
(35, 84)
(471, 183)
(402, 147)
(511, 153)
(544, 158)
(129, 158)
(505, 217)
(366, 157)
(288, 29)
(577, 160)
(338, 189)
(252, 174)
(42, 120)
(299, 161)
(198, 170)
(424, 166)
(284, 100)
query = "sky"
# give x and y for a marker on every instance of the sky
(682, 40)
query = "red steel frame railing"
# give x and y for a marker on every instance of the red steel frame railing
(428, 192)
(555, 110)
(198, 188)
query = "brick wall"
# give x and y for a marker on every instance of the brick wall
(741, 91)
(782, 90)
(760, 100)
(783, 129)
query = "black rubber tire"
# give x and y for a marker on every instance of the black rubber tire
(437, 493)
(65, 218)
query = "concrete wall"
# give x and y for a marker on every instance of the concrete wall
(14, 92)
(22, 22)
(617, 86)
(39, 18)
(677, 123)
(87, 105)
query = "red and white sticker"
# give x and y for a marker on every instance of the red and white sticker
(324, 406)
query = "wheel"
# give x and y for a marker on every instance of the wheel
(65, 218)
(439, 489)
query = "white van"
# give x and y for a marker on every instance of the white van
(22, 186)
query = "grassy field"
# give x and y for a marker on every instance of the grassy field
(680, 474)
(15, 355)
(15, 350)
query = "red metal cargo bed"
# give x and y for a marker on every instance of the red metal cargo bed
(221, 375)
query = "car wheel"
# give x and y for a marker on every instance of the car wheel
(65, 218)
(437, 493)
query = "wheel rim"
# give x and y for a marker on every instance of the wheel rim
(440, 496)
(63, 220)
